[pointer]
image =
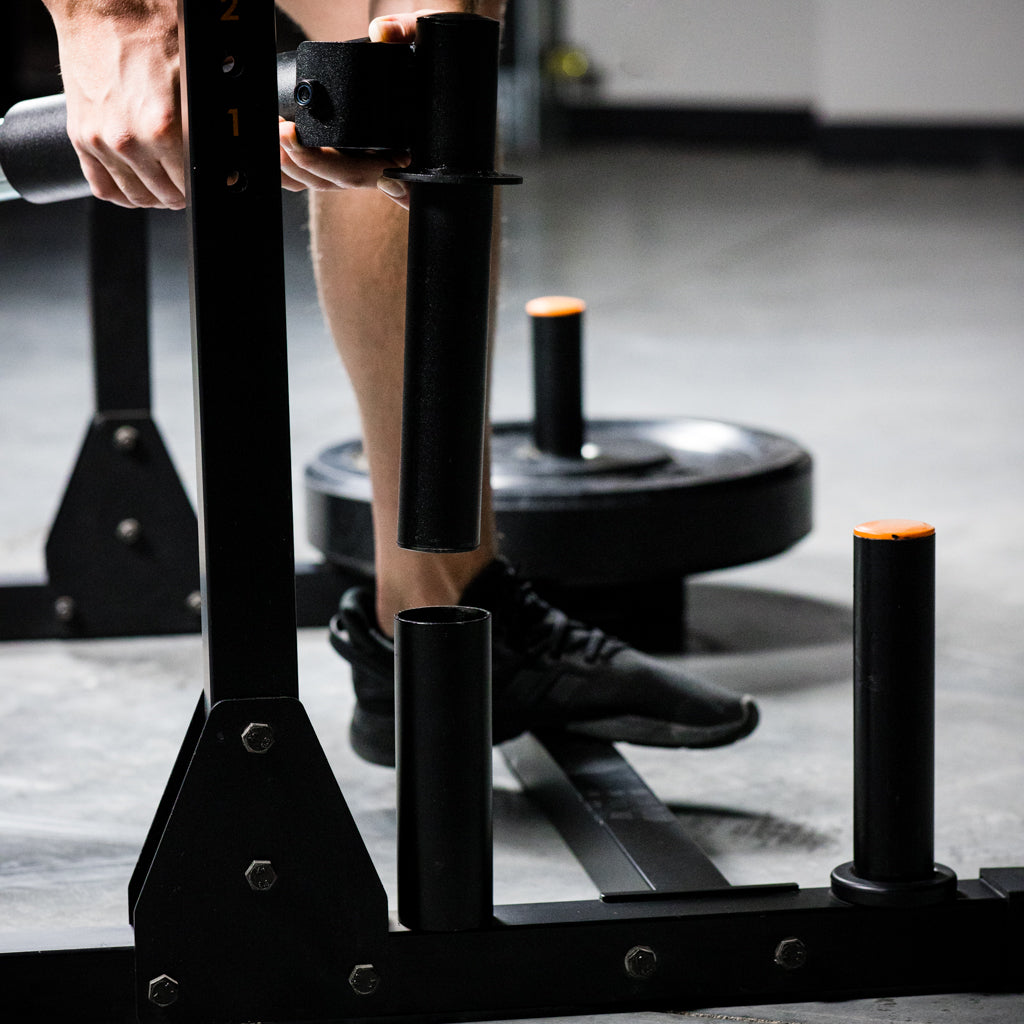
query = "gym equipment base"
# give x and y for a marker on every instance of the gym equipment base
(317, 945)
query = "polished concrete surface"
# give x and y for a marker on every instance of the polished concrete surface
(877, 316)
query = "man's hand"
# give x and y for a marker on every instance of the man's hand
(326, 169)
(119, 61)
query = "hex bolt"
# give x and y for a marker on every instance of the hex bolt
(64, 608)
(260, 875)
(641, 962)
(364, 979)
(194, 602)
(257, 737)
(129, 531)
(791, 954)
(126, 438)
(163, 991)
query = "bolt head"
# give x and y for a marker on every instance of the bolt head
(64, 608)
(364, 979)
(126, 438)
(194, 602)
(129, 531)
(257, 737)
(260, 875)
(163, 990)
(791, 954)
(641, 962)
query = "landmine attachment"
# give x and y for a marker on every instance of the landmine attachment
(607, 517)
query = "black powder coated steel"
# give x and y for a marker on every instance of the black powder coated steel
(558, 384)
(272, 943)
(119, 294)
(894, 708)
(546, 960)
(240, 909)
(353, 95)
(894, 726)
(450, 182)
(122, 553)
(443, 693)
(630, 844)
(239, 352)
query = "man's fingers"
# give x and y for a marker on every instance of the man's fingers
(129, 173)
(115, 184)
(394, 190)
(397, 28)
(328, 168)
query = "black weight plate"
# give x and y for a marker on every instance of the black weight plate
(655, 498)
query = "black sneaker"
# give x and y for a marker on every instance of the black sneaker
(548, 672)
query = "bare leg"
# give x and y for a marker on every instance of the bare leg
(359, 251)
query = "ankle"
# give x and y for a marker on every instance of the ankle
(416, 579)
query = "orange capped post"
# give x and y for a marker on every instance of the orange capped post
(893, 720)
(557, 332)
(894, 529)
(555, 305)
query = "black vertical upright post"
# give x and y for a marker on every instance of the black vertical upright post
(894, 719)
(119, 292)
(239, 348)
(557, 333)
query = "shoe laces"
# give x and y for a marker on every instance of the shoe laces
(549, 631)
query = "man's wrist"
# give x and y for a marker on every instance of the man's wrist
(112, 10)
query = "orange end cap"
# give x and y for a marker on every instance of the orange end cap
(555, 305)
(894, 529)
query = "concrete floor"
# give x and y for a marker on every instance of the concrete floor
(875, 315)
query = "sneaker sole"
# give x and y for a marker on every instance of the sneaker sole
(653, 732)
(372, 734)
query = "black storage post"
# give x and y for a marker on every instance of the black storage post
(557, 333)
(443, 676)
(894, 720)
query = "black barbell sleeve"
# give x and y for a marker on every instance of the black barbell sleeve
(451, 193)
(37, 160)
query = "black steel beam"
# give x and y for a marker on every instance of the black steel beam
(627, 840)
(119, 304)
(556, 959)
